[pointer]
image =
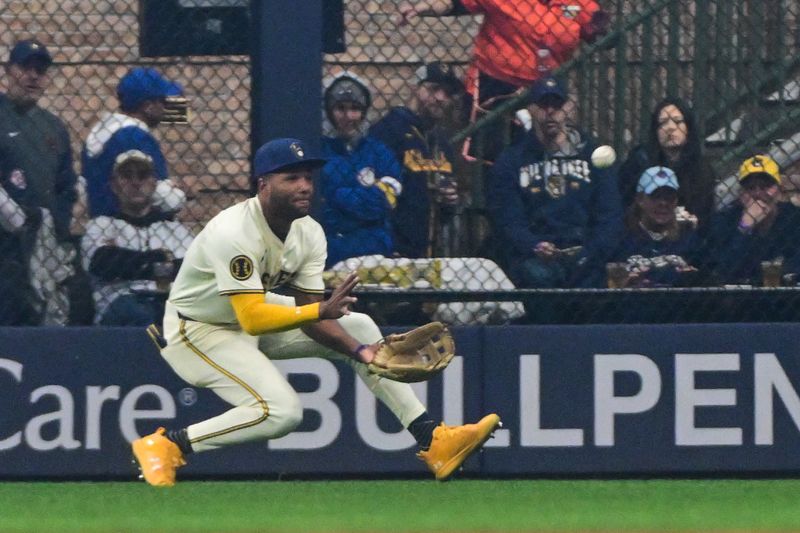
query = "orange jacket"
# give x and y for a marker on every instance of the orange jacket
(519, 39)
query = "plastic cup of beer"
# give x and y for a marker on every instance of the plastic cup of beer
(617, 274)
(771, 272)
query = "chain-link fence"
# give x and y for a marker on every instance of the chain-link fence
(460, 225)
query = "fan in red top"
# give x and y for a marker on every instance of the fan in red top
(518, 42)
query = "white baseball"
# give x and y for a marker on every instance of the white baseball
(603, 156)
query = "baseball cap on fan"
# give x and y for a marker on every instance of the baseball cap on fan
(284, 155)
(547, 89)
(141, 84)
(654, 178)
(132, 157)
(441, 74)
(27, 50)
(760, 165)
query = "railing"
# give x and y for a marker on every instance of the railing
(712, 53)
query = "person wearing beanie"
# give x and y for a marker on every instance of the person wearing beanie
(361, 181)
(142, 95)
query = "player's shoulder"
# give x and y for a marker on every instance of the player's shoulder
(308, 227)
(228, 225)
(307, 233)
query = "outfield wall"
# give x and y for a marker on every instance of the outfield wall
(574, 400)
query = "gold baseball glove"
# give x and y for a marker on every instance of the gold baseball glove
(416, 355)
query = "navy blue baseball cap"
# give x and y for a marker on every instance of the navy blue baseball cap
(141, 84)
(283, 155)
(28, 49)
(547, 88)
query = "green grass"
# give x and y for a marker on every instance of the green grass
(405, 506)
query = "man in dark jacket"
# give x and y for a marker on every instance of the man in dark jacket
(415, 135)
(760, 228)
(37, 177)
(556, 217)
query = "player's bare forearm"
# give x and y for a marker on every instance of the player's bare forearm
(331, 335)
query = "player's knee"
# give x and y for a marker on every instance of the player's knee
(286, 414)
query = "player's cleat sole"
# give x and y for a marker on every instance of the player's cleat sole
(452, 445)
(157, 459)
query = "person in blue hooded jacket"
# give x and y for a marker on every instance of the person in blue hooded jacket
(362, 179)
(556, 218)
(142, 94)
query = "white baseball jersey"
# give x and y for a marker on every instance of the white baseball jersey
(237, 252)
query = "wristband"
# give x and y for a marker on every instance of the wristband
(744, 228)
(358, 349)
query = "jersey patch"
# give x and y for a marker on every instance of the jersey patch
(241, 267)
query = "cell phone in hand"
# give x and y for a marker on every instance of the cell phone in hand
(569, 252)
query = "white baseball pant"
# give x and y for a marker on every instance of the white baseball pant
(233, 364)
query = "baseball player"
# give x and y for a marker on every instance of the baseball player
(217, 310)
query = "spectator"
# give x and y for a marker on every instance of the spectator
(656, 248)
(674, 142)
(519, 42)
(142, 94)
(38, 176)
(361, 181)
(557, 219)
(760, 228)
(416, 136)
(135, 254)
(18, 222)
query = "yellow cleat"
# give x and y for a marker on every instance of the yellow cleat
(452, 445)
(158, 458)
